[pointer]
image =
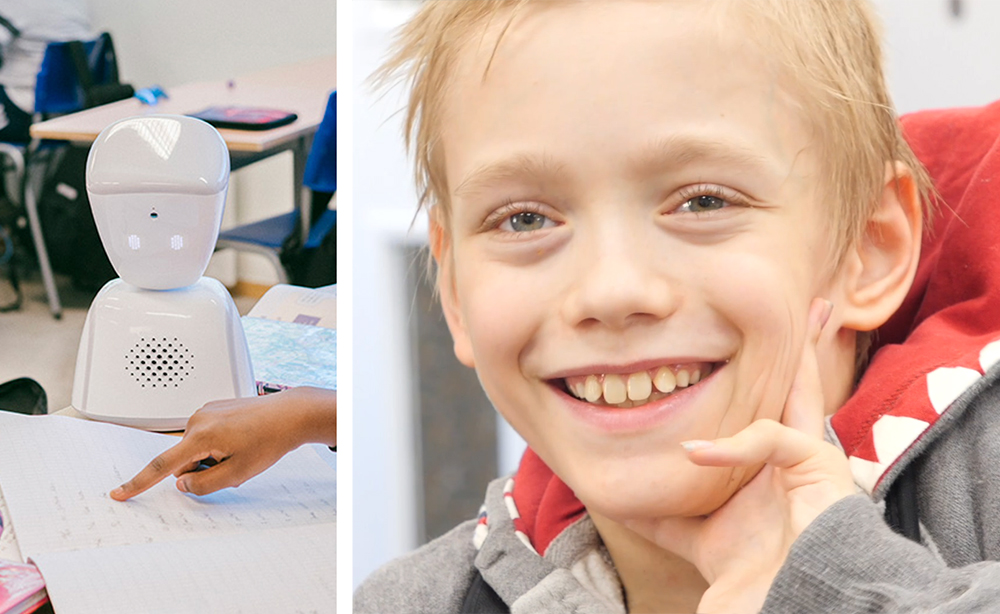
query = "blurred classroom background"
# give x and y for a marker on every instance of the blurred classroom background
(171, 44)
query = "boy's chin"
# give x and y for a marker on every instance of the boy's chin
(696, 491)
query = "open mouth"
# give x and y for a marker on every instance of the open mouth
(627, 390)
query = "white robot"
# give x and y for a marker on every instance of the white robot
(162, 340)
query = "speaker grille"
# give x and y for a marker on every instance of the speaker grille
(159, 362)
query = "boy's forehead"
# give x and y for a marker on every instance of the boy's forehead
(614, 65)
(552, 25)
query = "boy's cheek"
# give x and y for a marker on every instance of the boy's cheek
(766, 298)
(499, 302)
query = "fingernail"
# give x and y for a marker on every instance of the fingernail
(118, 492)
(696, 444)
(182, 486)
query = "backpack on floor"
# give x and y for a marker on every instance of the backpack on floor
(24, 396)
(71, 237)
(313, 265)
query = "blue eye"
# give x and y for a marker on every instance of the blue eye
(526, 221)
(702, 203)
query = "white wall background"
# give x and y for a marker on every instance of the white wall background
(384, 448)
(934, 60)
(180, 41)
(938, 60)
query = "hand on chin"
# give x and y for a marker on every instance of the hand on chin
(740, 547)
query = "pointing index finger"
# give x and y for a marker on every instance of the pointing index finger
(157, 469)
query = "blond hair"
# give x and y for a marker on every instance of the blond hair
(830, 50)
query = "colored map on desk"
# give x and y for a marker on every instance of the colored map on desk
(287, 354)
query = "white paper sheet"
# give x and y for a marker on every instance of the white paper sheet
(56, 473)
(281, 570)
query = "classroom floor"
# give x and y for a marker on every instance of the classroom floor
(34, 344)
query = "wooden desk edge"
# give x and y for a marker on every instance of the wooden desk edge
(86, 138)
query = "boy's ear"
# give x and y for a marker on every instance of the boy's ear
(440, 243)
(880, 268)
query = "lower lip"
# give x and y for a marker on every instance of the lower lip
(644, 417)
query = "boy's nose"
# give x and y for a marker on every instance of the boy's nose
(617, 284)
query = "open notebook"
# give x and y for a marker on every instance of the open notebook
(267, 546)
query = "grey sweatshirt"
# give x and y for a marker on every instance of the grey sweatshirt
(848, 560)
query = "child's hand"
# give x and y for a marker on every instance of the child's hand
(245, 436)
(740, 547)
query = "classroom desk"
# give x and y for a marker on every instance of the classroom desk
(290, 310)
(301, 88)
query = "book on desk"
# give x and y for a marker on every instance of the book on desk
(260, 547)
(245, 118)
(22, 589)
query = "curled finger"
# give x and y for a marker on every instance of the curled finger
(764, 441)
(225, 474)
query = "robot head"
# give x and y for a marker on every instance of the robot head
(157, 186)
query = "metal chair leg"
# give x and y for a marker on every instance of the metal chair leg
(31, 206)
(278, 267)
(253, 248)
(27, 198)
(17, 159)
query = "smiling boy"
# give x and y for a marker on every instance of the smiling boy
(660, 227)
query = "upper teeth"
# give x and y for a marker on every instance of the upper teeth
(629, 390)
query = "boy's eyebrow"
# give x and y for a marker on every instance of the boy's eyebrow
(520, 166)
(662, 153)
(678, 150)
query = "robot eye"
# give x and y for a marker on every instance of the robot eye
(154, 215)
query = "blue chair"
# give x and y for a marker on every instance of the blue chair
(267, 237)
(58, 91)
